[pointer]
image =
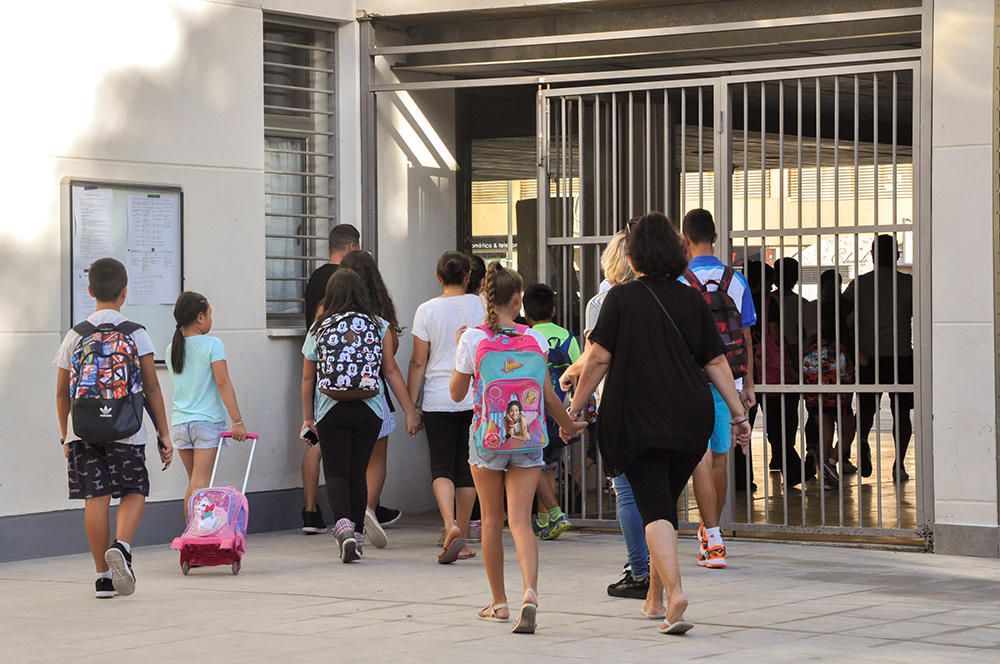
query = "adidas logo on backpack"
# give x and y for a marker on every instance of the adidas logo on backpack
(105, 411)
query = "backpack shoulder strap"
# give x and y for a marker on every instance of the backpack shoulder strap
(727, 278)
(85, 329)
(693, 280)
(129, 327)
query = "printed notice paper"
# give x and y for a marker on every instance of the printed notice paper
(91, 240)
(152, 251)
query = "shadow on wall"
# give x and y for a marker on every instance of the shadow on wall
(416, 224)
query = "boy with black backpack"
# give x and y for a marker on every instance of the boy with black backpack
(106, 379)
(539, 302)
(728, 296)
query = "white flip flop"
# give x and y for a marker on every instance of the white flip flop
(676, 629)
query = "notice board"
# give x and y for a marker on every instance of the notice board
(141, 226)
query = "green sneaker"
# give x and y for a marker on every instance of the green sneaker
(557, 527)
(538, 527)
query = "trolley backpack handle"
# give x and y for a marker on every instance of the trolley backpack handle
(227, 435)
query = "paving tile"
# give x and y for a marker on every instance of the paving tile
(295, 602)
(977, 637)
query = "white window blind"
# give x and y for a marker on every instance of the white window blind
(300, 183)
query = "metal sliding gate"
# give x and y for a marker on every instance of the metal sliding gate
(812, 177)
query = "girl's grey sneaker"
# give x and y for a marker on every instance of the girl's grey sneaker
(360, 539)
(105, 589)
(343, 530)
(375, 530)
(120, 562)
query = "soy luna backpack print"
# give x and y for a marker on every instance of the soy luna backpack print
(511, 371)
(105, 382)
(349, 356)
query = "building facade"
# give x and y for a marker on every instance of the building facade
(807, 128)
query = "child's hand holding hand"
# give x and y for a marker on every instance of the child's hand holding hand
(413, 423)
(166, 449)
(577, 430)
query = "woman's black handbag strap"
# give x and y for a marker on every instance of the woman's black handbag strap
(670, 318)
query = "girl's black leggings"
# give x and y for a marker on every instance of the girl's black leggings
(347, 435)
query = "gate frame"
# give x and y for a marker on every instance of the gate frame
(722, 151)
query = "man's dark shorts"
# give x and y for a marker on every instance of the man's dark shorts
(108, 469)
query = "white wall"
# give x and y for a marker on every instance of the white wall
(964, 371)
(166, 92)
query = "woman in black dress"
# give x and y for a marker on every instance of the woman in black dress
(657, 343)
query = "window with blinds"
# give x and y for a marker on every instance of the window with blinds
(842, 182)
(300, 184)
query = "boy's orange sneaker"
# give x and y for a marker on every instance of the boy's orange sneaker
(713, 558)
(702, 542)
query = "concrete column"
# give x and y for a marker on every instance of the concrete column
(964, 367)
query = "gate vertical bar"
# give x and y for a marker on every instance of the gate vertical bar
(542, 177)
(862, 444)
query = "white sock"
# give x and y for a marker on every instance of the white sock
(714, 536)
(104, 575)
(128, 547)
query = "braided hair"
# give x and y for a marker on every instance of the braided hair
(501, 287)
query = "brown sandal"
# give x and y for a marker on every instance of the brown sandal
(451, 552)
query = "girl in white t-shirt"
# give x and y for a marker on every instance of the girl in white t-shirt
(516, 473)
(436, 326)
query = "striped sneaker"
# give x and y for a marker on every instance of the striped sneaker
(343, 530)
(702, 542)
(715, 558)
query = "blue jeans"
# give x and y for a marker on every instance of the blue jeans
(632, 527)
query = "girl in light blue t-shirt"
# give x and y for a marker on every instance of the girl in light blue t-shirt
(203, 394)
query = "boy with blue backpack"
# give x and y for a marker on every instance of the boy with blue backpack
(106, 379)
(539, 302)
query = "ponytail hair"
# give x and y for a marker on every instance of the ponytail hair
(189, 306)
(501, 287)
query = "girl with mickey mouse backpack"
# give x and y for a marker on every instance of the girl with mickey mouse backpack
(342, 403)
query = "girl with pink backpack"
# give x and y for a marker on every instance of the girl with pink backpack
(508, 364)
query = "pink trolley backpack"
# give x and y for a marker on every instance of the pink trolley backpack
(216, 532)
(511, 373)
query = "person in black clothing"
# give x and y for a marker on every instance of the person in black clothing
(773, 366)
(656, 340)
(476, 276)
(344, 238)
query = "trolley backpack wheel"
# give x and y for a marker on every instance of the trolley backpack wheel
(236, 567)
(185, 568)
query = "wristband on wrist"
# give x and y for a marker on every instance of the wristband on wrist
(739, 420)
(236, 424)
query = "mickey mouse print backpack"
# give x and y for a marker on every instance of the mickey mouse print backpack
(349, 356)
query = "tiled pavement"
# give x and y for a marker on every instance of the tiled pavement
(295, 602)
